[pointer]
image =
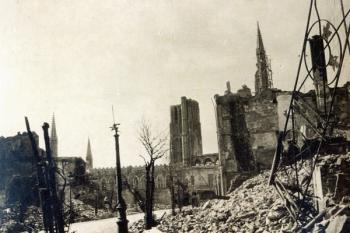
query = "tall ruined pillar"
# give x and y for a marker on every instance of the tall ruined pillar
(185, 132)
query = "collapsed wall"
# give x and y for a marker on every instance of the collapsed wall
(235, 151)
(17, 170)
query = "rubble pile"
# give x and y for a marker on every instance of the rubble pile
(10, 220)
(252, 207)
(83, 212)
(137, 227)
(255, 207)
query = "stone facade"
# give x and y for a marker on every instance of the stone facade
(185, 132)
(196, 171)
(17, 169)
(135, 177)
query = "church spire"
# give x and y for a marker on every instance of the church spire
(263, 78)
(53, 138)
(89, 161)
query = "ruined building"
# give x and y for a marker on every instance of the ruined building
(134, 181)
(17, 170)
(248, 125)
(185, 132)
(197, 172)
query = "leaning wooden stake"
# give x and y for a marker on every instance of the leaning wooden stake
(45, 201)
(58, 210)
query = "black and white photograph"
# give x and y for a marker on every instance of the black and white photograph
(175, 116)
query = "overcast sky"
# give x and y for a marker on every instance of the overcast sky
(77, 58)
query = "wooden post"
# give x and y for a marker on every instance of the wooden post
(57, 206)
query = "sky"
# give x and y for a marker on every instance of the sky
(77, 58)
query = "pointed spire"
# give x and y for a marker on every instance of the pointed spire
(53, 137)
(260, 44)
(53, 127)
(89, 161)
(262, 76)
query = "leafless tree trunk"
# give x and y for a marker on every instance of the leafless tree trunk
(156, 148)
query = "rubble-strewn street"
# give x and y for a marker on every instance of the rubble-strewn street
(109, 225)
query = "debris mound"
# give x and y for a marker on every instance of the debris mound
(252, 207)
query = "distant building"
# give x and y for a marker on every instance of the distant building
(88, 159)
(197, 172)
(53, 138)
(263, 75)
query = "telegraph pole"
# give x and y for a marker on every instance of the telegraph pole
(122, 222)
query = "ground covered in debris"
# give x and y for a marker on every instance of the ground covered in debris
(31, 220)
(253, 207)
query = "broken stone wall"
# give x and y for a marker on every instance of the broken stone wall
(200, 178)
(342, 109)
(104, 178)
(283, 102)
(18, 168)
(263, 125)
(332, 179)
(235, 151)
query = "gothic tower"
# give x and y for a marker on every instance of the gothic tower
(89, 161)
(53, 138)
(185, 132)
(263, 77)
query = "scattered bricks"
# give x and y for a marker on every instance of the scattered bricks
(245, 211)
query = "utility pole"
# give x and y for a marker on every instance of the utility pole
(122, 222)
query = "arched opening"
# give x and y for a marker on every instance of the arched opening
(197, 162)
(208, 162)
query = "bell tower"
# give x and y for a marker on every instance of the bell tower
(263, 75)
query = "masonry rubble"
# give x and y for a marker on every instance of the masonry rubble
(255, 207)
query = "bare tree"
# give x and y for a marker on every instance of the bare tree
(156, 147)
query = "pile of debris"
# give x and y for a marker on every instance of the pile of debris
(253, 207)
(82, 212)
(11, 221)
(137, 227)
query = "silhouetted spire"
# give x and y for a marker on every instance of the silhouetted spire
(53, 138)
(263, 78)
(89, 161)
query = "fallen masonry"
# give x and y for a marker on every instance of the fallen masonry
(255, 207)
(252, 207)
